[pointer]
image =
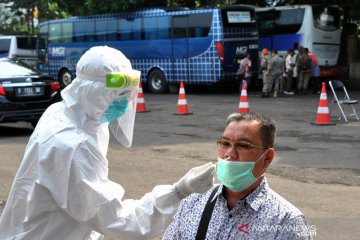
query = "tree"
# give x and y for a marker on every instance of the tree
(23, 13)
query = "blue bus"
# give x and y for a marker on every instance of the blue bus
(316, 27)
(202, 46)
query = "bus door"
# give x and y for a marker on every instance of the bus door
(42, 47)
(240, 37)
(234, 52)
(179, 36)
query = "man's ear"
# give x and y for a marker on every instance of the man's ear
(269, 157)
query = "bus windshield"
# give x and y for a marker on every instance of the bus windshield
(280, 21)
(326, 18)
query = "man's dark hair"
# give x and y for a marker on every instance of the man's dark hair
(267, 125)
(301, 49)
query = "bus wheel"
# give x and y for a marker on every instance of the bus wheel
(65, 78)
(157, 82)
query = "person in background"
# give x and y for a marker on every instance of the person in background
(243, 206)
(304, 64)
(246, 65)
(283, 74)
(315, 78)
(274, 72)
(264, 62)
(62, 190)
(289, 69)
(298, 51)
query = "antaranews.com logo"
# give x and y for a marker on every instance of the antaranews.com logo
(302, 230)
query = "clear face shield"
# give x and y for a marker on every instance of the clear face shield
(121, 113)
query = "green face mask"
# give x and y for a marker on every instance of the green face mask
(236, 175)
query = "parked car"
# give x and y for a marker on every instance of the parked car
(25, 93)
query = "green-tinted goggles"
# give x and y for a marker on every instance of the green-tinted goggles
(128, 79)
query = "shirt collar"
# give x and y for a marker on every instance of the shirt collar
(256, 198)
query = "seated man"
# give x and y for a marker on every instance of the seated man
(244, 206)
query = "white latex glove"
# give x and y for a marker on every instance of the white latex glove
(196, 180)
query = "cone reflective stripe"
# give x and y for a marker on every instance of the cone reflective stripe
(244, 103)
(141, 106)
(323, 113)
(182, 108)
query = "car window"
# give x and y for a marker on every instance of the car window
(12, 69)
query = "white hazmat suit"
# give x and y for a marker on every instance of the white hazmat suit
(62, 191)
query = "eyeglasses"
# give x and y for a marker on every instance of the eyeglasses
(240, 146)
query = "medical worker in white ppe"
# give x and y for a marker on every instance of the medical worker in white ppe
(62, 191)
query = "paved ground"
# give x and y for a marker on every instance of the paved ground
(316, 167)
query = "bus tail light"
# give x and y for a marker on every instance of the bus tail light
(220, 51)
(329, 71)
(54, 85)
(2, 90)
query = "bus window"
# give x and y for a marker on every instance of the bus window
(156, 28)
(5, 46)
(26, 42)
(125, 29)
(199, 25)
(137, 29)
(111, 30)
(67, 32)
(280, 21)
(150, 28)
(43, 35)
(100, 30)
(179, 27)
(130, 29)
(55, 33)
(326, 18)
(84, 31)
(239, 23)
(105, 30)
(164, 24)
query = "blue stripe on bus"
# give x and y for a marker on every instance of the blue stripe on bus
(279, 42)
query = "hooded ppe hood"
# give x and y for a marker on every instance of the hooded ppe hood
(103, 75)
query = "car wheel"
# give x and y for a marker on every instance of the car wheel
(65, 78)
(157, 82)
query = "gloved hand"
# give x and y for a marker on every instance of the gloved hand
(198, 179)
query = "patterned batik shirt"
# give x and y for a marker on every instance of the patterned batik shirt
(263, 214)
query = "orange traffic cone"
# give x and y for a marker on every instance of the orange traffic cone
(244, 103)
(182, 108)
(323, 114)
(141, 106)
